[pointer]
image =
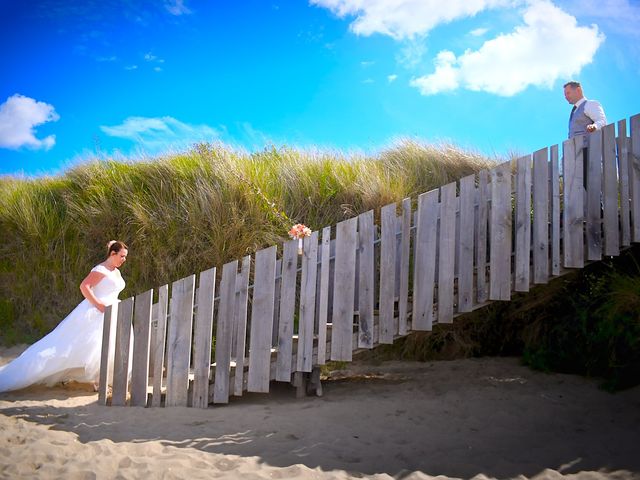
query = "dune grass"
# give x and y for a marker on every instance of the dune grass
(185, 212)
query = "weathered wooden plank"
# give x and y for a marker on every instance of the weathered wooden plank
(500, 243)
(610, 198)
(261, 321)
(425, 260)
(288, 286)
(405, 255)
(554, 177)
(366, 279)
(623, 175)
(202, 338)
(465, 244)
(343, 297)
(573, 203)
(240, 321)
(141, 346)
(523, 224)
(152, 339)
(121, 358)
(276, 303)
(447, 249)
(324, 295)
(387, 272)
(107, 354)
(541, 216)
(634, 176)
(224, 329)
(179, 341)
(482, 291)
(159, 345)
(593, 238)
(307, 303)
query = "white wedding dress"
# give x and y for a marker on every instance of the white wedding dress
(72, 350)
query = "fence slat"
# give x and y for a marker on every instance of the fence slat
(366, 279)
(288, 286)
(224, 329)
(276, 304)
(554, 175)
(323, 310)
(523, 224)
(387, 272)
(307, 303)
(594, 192)
(108, 351)
(159, 346)
(202, 338)
(179, 341)
(240, 321)
(634, 176)
(573, 202)
(447, 252)
(425, 260)
(623, 174)
(141, 345)
(121, 357)
(541, 216)
(611, 224)
(261, 321)
(465, 245)
(343, 297)
(482, 292)
(501, 222)
(405, 255)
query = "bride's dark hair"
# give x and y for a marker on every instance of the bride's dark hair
(115, 246)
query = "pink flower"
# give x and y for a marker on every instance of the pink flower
(299, 231)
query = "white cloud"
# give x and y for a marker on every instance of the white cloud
(478, 32)
(412, 53)
(537, 53)
(445, 78)
(367, 80)
(154, 134)
(392, 78)
(367, 63)
(402, 19)
(176, 7)
(19, 116)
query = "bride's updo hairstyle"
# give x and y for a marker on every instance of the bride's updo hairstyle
(115, 246)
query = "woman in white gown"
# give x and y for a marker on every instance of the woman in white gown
(72, 350)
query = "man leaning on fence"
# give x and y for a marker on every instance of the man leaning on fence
(586, 117)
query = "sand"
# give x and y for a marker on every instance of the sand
(472, 418)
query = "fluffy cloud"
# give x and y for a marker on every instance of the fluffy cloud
(19, 116)
(176, 7)
(160, 133)
(550, 45)
(402, 19)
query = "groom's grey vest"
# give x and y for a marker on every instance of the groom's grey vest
(578, 121)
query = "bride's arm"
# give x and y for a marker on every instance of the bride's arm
(86, 287)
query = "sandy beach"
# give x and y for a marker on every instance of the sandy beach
(471, 418)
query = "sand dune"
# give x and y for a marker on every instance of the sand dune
(482, 418)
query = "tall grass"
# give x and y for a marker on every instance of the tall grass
(183, 213)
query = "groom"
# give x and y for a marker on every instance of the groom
(586, 117)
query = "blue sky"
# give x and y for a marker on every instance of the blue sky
(132, 78)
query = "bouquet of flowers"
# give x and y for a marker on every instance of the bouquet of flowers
(299, 231)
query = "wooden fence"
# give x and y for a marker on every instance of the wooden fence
(359, 284)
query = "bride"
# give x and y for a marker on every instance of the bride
(72, 350)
